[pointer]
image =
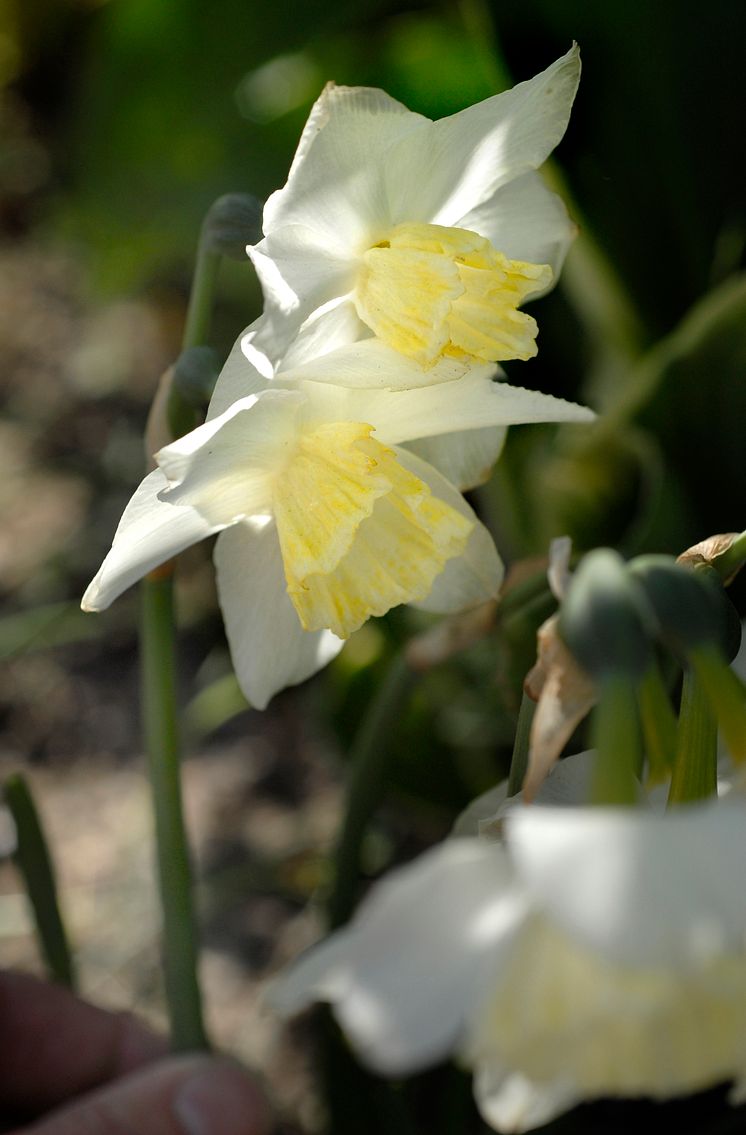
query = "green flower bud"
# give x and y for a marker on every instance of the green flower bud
(605, 620)
(195, 373)
(691, 607)
(232, 222)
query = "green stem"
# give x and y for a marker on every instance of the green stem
(160, 724)
(35, 863)
(181, 415)
(199, 311)
(725, 694)
(519, 760)
(695, 769)
(162, 745)
(659, 725)
(369, 758)
(616, 739)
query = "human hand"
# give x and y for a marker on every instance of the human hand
(67, 1068)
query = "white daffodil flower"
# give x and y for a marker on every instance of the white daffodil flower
(324, 519)
(430, 234)
(597, 951)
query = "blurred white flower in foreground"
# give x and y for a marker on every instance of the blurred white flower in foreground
(429, 233)
(322, 522)
(595, 952)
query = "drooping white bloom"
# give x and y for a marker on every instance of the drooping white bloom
(429, 233)
(323, 518)
(595, 952)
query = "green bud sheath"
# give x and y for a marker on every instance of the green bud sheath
(604, 618)
(691, 606)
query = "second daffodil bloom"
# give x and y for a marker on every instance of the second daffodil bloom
(596, 952)
(324, 519)
(432, 234)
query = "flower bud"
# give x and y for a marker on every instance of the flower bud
(605, 620)
(195, 374)
(233, 222)
(691, 607)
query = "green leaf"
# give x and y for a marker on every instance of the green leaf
(34, 861)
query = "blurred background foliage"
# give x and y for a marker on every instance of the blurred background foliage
(122, 120)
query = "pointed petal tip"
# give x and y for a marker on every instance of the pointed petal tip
(539, 407)
(571, 59)
(567, 70)
(90, 602)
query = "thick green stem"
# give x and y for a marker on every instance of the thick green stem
(726, 696)
(199, 312)
(659, 725)
(162, 745)
(616, 739)
(36, 865)
(519, 760)
(695, 769)
(160, 723)
(369, 758)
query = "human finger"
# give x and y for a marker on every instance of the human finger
(55, 1046)
(192, 1095)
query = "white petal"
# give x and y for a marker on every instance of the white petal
(238, 378)
(484, 807)
(149, 533)
(370, 364)
(224, 468)
(443, 172)
(406, 974)
(569, 782)
(475, 576)
(469, 403)
(328, 329)
(333, 206)
(336, 184)
(269, 648)
(640, 888)
(510, 1102)
(525, 221)
(465, 458)
(299, 272)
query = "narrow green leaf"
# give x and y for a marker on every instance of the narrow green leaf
(34, 861)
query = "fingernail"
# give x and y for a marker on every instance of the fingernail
(220, 1099)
